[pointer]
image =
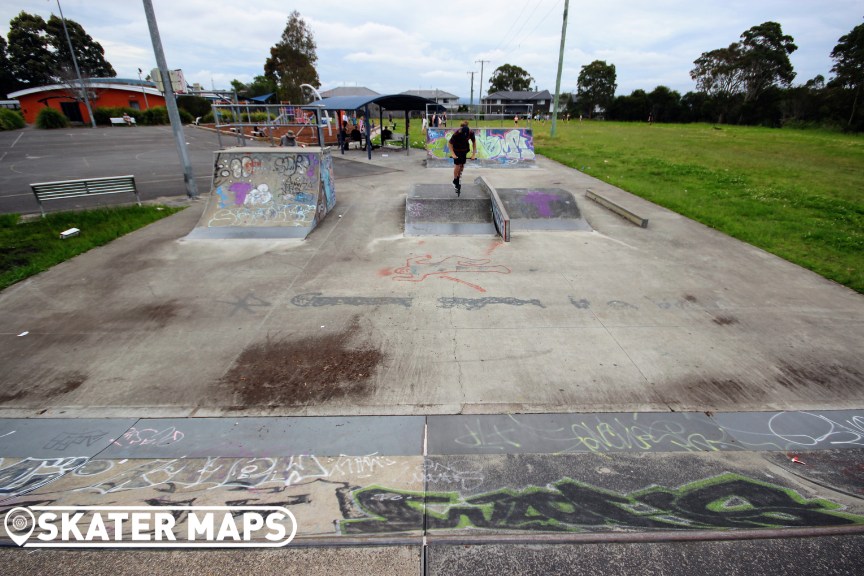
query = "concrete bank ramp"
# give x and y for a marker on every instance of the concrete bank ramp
(542, 209)
(268, 193)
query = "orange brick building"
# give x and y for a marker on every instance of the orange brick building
(104, 93)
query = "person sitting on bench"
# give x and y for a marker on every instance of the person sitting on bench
(356, 136)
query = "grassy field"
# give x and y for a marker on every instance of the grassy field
(798, 194)
(30, 247)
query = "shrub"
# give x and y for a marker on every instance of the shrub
(195, 105)
(11, 119)
(154, 116)
(186, 117)
(49, 119)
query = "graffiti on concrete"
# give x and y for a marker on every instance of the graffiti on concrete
(501, 146)
(420, 268)
(598, 433)
(478, 303)
(272, 189)
(20, 476)
(246, 304)
(64, 440)
(316, 300)
(727, 501)
(464, 475)
(193, 475)
(797, 430)
(149, 437)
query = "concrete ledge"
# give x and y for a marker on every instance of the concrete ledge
(499, 213)
(620, 210)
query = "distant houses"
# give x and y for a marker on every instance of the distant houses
(509, 102)
(446, 99)
(348, 91)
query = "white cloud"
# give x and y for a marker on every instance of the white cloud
(393, 45)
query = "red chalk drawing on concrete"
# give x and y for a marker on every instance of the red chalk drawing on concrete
(419, 268)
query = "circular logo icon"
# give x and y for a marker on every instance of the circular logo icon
(20, 523)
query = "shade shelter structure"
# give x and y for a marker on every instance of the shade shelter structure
(406, 103)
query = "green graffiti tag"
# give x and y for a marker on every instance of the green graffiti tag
(723, 502)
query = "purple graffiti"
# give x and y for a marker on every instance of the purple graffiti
(240, 189)
(541, 202)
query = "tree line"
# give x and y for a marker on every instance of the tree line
(748, 82)
(36, 53)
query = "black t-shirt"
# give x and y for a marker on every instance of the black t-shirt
(460, 141)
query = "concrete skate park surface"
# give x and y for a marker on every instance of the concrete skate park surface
(675, 316)
(567, 387)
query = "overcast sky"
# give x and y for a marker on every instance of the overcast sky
(395, 45)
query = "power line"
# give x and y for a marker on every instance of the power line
(516, 35)
(518, 42)
(516, 21)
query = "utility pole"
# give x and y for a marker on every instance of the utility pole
(560, 65)
(481, 80)
(77, 70)
(170, 101)
(472, 90)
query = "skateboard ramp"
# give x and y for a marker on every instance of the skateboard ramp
(435, 210)
(542, 209)
(268, 193)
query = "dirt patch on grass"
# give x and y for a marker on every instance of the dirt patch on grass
(305, 371)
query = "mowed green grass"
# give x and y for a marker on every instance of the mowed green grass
(798, 194)
(27, 248)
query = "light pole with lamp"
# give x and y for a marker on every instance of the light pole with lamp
(77, 71)
(144, 92)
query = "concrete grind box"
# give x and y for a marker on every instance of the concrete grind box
(268, 193)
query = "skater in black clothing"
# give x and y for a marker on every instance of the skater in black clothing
(459, 146)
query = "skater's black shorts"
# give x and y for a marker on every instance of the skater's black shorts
(460, 158)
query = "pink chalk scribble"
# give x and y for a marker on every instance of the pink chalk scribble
(419, 268)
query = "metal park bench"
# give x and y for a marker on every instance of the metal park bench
(86, 187)
(122, 122)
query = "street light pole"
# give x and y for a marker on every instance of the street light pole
(77, 71)
(170, 101)
(144, 92)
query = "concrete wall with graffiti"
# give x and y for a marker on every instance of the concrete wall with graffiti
(496, 147)
(268, 188)
(483, 474)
